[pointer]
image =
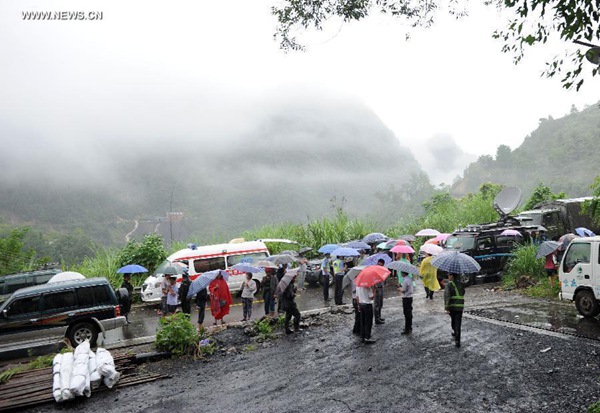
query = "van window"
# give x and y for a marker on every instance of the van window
(245, 258)
(59, 300)
(577, 253)
(23, 306)
(16, 283)
(209, 264)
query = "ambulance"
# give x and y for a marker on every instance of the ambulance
(197, 260)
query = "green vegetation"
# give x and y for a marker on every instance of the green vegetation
(13, 256)
(148, 253)
(38, 363)
(594, 407)
(263, 329)
(542, 193)
(177, 334)
(526, 272)
(592, 206)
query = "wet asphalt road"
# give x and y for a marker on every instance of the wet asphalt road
(501, 367)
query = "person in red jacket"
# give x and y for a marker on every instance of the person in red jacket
(220, 299)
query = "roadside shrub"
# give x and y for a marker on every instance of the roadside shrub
(148, 253)
(263, 329)
(594, 407)
(524, 269)
(177, 334)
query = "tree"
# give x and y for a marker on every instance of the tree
(542, 193)
(149, 253)
(535, 23)
(592, 207)
(13, 256)
(503, 155)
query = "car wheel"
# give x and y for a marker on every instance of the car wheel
(586, 304)
(81, 332)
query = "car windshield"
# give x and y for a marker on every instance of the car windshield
(461, 243)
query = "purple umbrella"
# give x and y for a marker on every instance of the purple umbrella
(372, 260)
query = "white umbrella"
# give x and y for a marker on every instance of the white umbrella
(265, 264)
(285, 281)
(66, 276)
(351, 275)
(428, 232)
(431, 249)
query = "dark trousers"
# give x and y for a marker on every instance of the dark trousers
(325, 282)
(269, 302)
(456, 319)
(247, 307)
(428, 293)
(407, 309)
(378, 303)
(186, 306)
(366, 320)
(356, 329)
(338, 288)
(292, 311)
(201, 303)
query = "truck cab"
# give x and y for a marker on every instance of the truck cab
(579, 275)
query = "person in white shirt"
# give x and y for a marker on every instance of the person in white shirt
(365, 300)
(248, 291)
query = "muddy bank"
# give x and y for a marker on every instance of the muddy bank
(327, 369)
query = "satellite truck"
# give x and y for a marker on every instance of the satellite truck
(488, 243)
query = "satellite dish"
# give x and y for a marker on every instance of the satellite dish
(507, 200)
(593, 55)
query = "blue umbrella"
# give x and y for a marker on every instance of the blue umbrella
(359, 245)
(375, 238)
(243, 267)
(328, 248)
(345, 252)
(204, 279)
(131, 269)
(372, 260)
(584, 232)
(455, 262)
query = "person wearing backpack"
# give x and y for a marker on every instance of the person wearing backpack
(454, 303)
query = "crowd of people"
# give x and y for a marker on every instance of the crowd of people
(280, 297)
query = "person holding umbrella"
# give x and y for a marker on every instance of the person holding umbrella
(325, 276)
(201, 298)
(454, 303)
(129, 287)
(378, 302)
(287, 291)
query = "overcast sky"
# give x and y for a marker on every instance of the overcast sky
(68, 81)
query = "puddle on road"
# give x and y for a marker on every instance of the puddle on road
(546, 315)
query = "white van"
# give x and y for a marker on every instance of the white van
(207, 258)
(579, 275)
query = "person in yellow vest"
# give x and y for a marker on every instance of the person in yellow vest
(429, 275)
(338, 276)
(454, 303)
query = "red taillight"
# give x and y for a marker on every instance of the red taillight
(117, 310)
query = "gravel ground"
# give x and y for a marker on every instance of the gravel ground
(499, 368)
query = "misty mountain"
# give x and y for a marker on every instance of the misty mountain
(560, 152)
(285, 165)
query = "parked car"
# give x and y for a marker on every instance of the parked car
(486, 244)
(12, 282)
(77, 310)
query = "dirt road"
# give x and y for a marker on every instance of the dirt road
(499, 368)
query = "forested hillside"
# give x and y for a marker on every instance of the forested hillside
(291, 164)
(563, 153)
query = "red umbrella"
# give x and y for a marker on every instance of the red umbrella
(401, 242)
(371, 275)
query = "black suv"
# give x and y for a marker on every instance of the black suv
(11, 283)
(489, 248)
(79, 310)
